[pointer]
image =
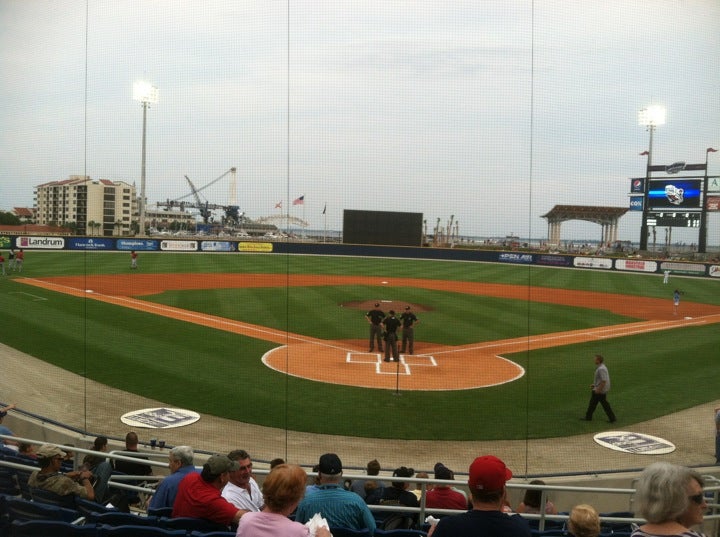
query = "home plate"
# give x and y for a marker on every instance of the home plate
(384, 283)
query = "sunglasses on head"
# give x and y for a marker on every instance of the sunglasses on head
(697, 498)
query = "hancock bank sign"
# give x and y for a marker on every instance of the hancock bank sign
(46, 243)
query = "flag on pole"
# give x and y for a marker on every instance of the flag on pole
(278, 205)
(644, 153)
(300, 200)
(325, 208)
(711, 150)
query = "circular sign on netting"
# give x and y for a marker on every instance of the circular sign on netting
(637, 443)
(160, 418)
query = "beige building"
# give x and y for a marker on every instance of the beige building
(96, 207)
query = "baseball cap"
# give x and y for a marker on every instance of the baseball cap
(48, 451)
(488, 473)
(330, 464)
(442, 471)
(403, 471)
(219, 464)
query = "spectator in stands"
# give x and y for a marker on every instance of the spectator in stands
(531, 501)
(671, 499)
(242, 490)
(12, 444)
(418, 488)
(373, 469)
(398, 494)
(49, 477)
(282, 490)
(338, 506)
(717, 435)
(199, 495)
(101, 470)
(443, 496)
(315, 486)
(130, 467)
(487, 479)
(27, 450)
(584, 521)
(180, 463)
(276, 462)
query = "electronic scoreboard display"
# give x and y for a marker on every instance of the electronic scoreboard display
(674, 219)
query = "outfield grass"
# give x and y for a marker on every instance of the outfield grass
(188, 366)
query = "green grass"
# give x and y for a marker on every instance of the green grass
(188, 366)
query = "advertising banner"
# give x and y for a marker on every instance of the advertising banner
(507, 257)
(141, 245)
(592, 262)
(638, 265)
(217, 246)
(637, 185)
(41, 243)
(90, 243)
(695, 269)
(636, 203)
(257, 247)
(179, 246)
(554, 260)
(714, 271)
(712, 203)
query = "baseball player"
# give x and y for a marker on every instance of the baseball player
(391, 324)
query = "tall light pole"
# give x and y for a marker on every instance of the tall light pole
(650, 117)
(702, 241)
(146, 93)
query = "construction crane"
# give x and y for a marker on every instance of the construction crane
(232, 212)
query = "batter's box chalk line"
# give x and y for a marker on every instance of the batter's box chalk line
(390, 368)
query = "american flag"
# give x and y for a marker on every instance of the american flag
(300, 200)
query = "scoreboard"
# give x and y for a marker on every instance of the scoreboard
(671, 219)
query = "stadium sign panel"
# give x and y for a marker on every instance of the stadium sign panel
(160, 418)
(636, 443)
(42, 243)
(179, 246)
(639, 265)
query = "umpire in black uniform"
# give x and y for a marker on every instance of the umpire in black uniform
(409, 320)
(391, 324)
(375, 318)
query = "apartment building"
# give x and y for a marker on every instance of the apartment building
(95, 207)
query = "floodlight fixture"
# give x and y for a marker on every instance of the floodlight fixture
(652, 116)
(145, 92)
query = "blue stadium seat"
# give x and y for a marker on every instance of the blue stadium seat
(8, 482)
(51, 498)
(401, 533)
(46, 528)
(347, 532)
(119, 518)
(138, 531)
(21, 509)
(189, 524)
(160, 512)
(85, 507)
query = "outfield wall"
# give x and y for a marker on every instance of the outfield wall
(45, 243)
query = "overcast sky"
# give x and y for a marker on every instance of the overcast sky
(492, 111)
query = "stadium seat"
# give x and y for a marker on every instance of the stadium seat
(616, 527)
(401, 533)
(21, 509)
(47, 528)
(138, 531)
(85, 507)
(189, 524)
(119, 518)
(8, 482)
(52, 498)
(160, 512)
(347, 532)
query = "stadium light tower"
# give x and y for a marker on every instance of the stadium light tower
(146, 93)
(650, 117)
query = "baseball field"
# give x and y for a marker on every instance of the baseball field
(502, 352)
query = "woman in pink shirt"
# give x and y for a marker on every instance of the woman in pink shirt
(282, 489)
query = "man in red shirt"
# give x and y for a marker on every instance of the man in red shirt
(199, 496)
(443, 496)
